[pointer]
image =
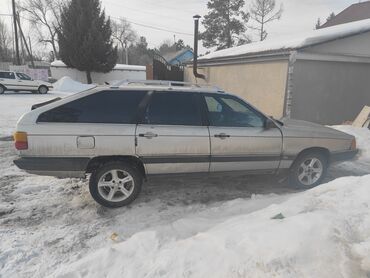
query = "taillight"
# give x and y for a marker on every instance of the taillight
(21, 141)
(353, 144)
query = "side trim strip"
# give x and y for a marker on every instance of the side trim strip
(18, 85)
(207, 158)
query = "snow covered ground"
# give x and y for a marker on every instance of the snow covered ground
(183, 227)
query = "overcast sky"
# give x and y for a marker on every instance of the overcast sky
(176, 16)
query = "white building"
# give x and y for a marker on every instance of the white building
(120, 72)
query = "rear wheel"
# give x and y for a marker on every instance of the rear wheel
(2, 89)
(308, 170)
(43, 90)
(115, 184)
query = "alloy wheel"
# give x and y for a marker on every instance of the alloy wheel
(116, 185)
(310, 171)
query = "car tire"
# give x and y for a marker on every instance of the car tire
(115, 184)
(308, 170)
(2, 89)
(43, 90)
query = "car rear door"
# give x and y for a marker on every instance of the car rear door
(171, 137)
(8, 80)
(239, 141)
(100, 124)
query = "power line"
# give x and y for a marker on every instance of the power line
(142, 11)
(155, 27)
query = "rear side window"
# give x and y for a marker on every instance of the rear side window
(112, 107)
(8, 75)
(171, 108)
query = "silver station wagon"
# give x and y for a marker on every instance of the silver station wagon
(125, 133)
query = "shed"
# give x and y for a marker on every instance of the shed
(321, 76)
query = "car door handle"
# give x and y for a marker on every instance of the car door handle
(222, 136)
(148, 135)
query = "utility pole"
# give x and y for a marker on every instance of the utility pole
(25, 42)
(18, 61)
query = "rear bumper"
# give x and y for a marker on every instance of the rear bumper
(342, 156)
(54, 166)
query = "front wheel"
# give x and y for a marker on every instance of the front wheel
(43, 90)
(115, 184)
(308, 170)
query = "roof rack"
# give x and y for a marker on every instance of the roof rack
(164, 83)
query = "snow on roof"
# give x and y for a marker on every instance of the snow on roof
(294, 42)
(59, 63)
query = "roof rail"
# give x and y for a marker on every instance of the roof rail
(165, 83)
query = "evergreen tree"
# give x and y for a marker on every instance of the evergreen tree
(85, 41)
(140, 54)
(318, 24)
(330, 17)
(225, 24)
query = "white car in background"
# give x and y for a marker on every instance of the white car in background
(17, 81)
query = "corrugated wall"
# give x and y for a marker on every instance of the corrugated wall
(329, 92)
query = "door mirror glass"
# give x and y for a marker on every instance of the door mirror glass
(269, 124)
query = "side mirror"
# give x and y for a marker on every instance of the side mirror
(269, 124)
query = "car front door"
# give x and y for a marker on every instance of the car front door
(171, 137)
(239, 140)
(25, 82)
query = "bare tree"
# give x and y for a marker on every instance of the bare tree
(5, 42)
(44, 16)
(124, 35)
(264, 12)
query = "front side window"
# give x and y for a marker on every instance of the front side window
(229, 111)
(23, 76)
(114, 107)
(171, 108)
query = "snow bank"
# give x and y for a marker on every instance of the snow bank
(290, 42)
(362, 138)
(67, 84)
(325, 233)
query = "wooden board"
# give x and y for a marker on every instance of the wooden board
(362, 118)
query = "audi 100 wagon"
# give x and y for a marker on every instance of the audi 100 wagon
(123, 134)
(17, 81)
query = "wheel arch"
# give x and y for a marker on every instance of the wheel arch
(98, 161)
(321, 150)
(42, 85)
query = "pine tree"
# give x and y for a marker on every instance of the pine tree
(85, 41)
(225, 24)
(318, 23)
(330, 17)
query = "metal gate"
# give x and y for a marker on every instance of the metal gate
(164, 71)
